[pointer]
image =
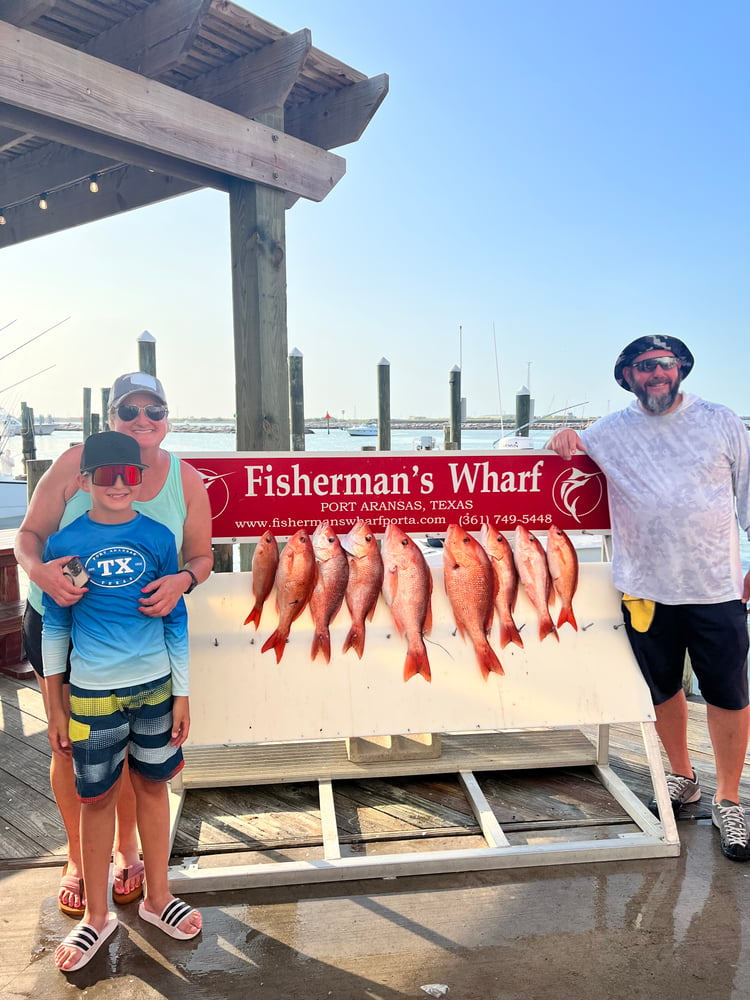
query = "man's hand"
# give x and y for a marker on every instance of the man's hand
(565, 443)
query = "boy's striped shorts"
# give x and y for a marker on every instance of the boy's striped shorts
(105, 725)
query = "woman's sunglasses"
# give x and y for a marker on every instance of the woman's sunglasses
(129, 411)
(107, 475)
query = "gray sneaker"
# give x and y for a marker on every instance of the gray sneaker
(729, 817)
(682, 791)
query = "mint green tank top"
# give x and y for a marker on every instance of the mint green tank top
(167, 507)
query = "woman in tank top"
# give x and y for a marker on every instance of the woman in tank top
(173, 493)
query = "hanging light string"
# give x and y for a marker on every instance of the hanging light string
(43, 199)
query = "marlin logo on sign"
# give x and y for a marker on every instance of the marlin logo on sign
(577, 493)
(117, 566)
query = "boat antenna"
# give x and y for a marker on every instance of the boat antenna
(497, 377)
(32, 339)
(21, 381)
(540, 419)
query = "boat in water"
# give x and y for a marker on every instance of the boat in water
(365, 430)
(13, 501)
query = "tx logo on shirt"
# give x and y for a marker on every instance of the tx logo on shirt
(117, 566)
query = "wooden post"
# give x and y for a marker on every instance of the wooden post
(35, 469)
(454, 382)
(523, 411)
(384, 404)
(297, 400)
(258, 254)
(28, 444)
(94, 423)
(147, 353)
(105, 410)
(86, 412)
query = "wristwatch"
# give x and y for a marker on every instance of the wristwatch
(193, 577)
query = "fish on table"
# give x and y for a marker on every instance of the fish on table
(364, 584)
(534, 574)
(497, 547)
(562, 560)
(470, 586)
(295, 578)
(264, 565)
(407, 589)
(331, 579)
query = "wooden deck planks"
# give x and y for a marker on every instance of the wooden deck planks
(371, 812)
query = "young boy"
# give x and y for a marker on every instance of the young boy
(128, 688)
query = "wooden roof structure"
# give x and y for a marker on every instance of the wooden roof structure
(149, 99)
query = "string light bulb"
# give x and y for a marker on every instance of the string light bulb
(43, 201)
(93, 184)
(2, 217)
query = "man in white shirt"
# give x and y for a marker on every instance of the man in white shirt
(678, 478)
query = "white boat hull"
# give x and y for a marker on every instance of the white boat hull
(13, 499)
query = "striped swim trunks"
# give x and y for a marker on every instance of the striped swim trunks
(105, 725)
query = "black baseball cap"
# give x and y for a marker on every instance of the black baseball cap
(653, 342)
(110, 448)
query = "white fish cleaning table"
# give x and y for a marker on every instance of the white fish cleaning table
(257, 722)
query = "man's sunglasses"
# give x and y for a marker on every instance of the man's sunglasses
(649, 365)
(129, 411)
(107, 475)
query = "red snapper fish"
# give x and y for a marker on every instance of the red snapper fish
(534, 573)
(330, 584)
(562, 560)
(364, 584)
(470, 585)
(407, 589)
(295, 578)
(265, 562)
(497, 547)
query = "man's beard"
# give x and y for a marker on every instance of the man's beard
(656, 403)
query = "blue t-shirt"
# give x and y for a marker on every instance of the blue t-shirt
(114, 644)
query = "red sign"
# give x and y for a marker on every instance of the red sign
(251, 492)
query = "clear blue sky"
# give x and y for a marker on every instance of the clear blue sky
(568, 173)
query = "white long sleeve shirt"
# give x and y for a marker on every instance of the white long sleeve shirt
(677, 483)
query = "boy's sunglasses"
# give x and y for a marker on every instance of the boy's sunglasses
(129, 411)
(107, 475)
(649, 365)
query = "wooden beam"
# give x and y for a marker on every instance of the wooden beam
(50, 80)
(259, 81)
(114, 150)
(154, 40)
(151, 42)
(337, 118)
(263, 79)
(23, 12)
(119, 191)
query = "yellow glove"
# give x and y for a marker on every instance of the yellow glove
(641, 612)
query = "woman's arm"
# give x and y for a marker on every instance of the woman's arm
(197, 554)
(42, 519)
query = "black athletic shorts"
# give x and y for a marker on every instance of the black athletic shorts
(32, 642)
(715, 636)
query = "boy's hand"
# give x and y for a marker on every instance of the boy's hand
(180, 720)
(57, 731)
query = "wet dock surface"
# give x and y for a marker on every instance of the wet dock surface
(667, 928)
(664, 927)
